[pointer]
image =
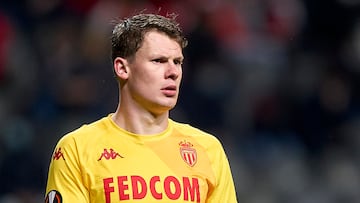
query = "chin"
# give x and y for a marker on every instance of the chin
(168, 107)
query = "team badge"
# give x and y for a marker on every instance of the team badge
(188, 153)
(53, 197)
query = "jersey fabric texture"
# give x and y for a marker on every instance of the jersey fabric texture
(103, 163)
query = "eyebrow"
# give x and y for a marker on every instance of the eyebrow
(152, 55)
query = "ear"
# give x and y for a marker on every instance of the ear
(121, 68)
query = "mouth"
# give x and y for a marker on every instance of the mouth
(169, 91)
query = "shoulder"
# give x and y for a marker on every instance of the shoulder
(86, 132)
(201, 136)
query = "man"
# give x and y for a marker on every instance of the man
(138, 154)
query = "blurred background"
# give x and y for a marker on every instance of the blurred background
(277, 81)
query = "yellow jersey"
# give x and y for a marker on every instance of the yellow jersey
(103, 163)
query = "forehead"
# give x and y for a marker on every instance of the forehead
(160, 43)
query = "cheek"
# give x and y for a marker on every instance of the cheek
(142, 76)
(145, 82)
(179, 79)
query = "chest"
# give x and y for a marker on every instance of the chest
(126, 170)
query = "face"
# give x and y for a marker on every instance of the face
(155, 73)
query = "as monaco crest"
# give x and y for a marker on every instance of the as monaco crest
(188, 154)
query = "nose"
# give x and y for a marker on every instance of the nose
(173, 70)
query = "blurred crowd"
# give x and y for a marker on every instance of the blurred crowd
(275, 80)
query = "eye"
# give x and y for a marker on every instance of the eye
(178, 62)
(158, 60)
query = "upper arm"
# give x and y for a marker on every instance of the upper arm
(64, 175)
(224, 189)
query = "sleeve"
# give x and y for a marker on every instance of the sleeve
(224, 189)
(65, 183)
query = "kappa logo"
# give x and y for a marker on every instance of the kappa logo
(58, 154)
(109, 154)
(188, 154)
(53, 197)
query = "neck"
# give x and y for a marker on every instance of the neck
(140, 121)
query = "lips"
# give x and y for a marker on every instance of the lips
(169, 90)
